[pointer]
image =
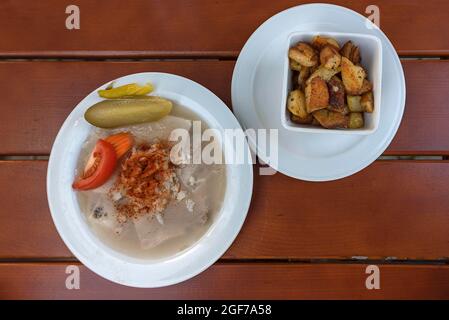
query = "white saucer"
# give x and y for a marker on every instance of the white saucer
(97, 256)
(257, 93)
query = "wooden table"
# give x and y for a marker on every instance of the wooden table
(394, 214)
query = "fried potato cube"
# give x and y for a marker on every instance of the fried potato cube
(343, 110)
(367, 102)
(294, 65)
(354, 104)
(329, 57)
(319, 42)
(317, 95)
(336, 93)
(356, 120)
(299, 120)
(330, 120)
(303, 75)
(366, 87)
(304, 54)
(352, 75)
(351, 52)
(296, 103)
(323, 73)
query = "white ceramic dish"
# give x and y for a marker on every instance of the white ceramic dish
(371, 52)
(72, 225)
(257, 90)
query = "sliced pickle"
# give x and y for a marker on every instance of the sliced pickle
(123, 112)
(132, 89)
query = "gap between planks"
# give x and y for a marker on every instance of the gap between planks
(297, 261)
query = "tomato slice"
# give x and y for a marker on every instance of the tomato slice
(99, 168)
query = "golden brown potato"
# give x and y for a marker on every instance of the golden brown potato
(303, 75)
(296, 103)
(336, 93)
(351, 52)
(367, 102)
(343, 110)
(329, 119)
(315, 122)
(354, 103)
(294, 65)
(304, 54)
(355, 120)
(317, 95)
(366, 87)
(306, 120)
(319, 42)
(330, 58)
(352, 75)
(323, 73)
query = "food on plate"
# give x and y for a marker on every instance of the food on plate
(303, 54)
(121, 112)
(317, 95)
(354, 103)
(330, 119)
(336, 93)
(140, 194)
(127, 90)
(330, 58)
(351, 52)
(297, 103)
(318, 42)
(367, 102)
(330, 88)
(355, 120)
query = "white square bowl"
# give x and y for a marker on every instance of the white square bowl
(371, 54)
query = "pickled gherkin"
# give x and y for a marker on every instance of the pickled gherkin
(132, 89)
(123, 112)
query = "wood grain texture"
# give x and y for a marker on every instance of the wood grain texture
(235, 281)
(190, 28)
(392, 209)
(38, 96)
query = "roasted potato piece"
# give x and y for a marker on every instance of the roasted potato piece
(315, 122)
(343, 110)
(330, 119)
(306, 120)
(304, 54)
(351, 52)
(303, 75)
(330, 58)
(352, 75)
(354, 103)
(317, 95)
(367, 102)
(319, 42)
(366, 87)
(296, 103)
(294, 65)
(323, 73)
(336, 93)
(356, 120)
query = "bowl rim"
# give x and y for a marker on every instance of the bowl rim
(287, 124)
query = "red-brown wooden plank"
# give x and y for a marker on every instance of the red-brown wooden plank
(395, 209)
(235, 281)
(141, 28)
(38, 96)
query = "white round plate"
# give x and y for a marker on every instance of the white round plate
(117, 267)
(257, 94)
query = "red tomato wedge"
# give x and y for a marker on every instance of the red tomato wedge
(99, 167)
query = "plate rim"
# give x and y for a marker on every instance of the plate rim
(240, 211)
